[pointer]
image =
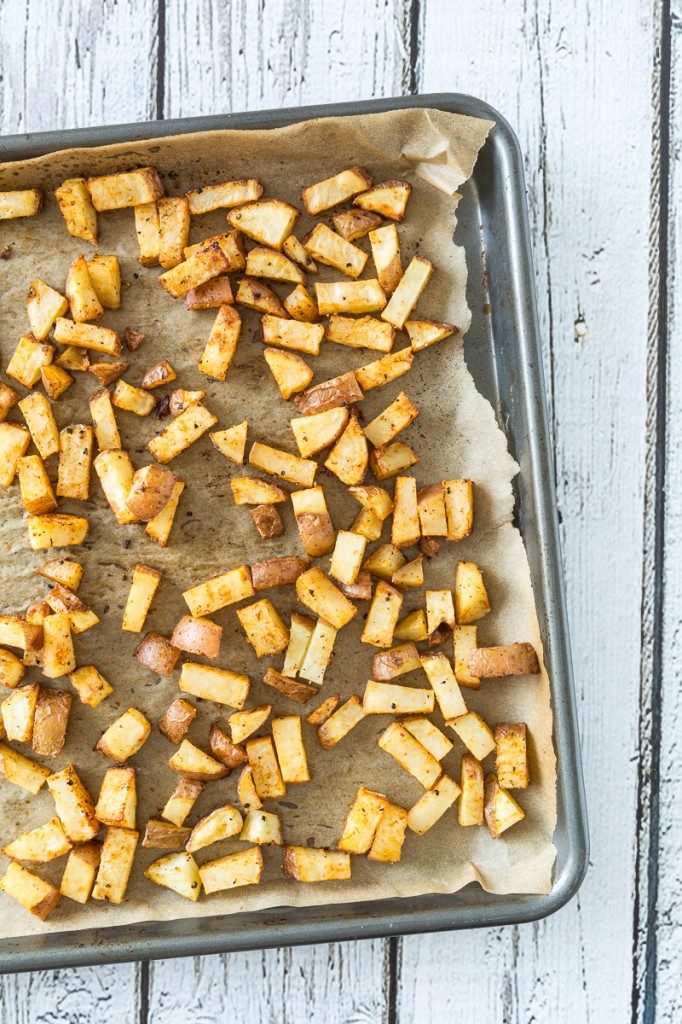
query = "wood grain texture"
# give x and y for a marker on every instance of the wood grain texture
(576, 92)
(84, 996)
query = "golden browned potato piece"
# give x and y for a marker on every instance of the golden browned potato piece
(38, 897)
(157, 653)
(164, 835)
(276, 572)
(232, 755)
(253, 293)
(176, 720)
(512, 755)
(192, 763)
(361, 590)
(159, 374)
(306, 864)
(397, 661)
(510, 660)
(214, 293)
(299, 692)
(330, 394)
(197, 635)
(389, 198)
(352, 224)
(268, 521)
(150, 492)
(337, 189)
(501, 809)
(50, 721)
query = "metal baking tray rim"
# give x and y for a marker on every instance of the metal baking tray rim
(391, 916)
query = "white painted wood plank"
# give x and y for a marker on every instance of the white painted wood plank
(65, 65)
(577, 93)
(669, 904)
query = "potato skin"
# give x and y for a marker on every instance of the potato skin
(150, 491)
(275, 572)
(223, 749)
(300, 692)
(176, 720)
(361, 590)
(163, 835)
(330, 394)
(157, 653)
(385, 663)
(50, 721)
(268, 521)
(198, 636)
(512, 660)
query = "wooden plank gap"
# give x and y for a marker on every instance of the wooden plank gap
(417, 11)
(143, 992)
(392, 974)
(161, 60)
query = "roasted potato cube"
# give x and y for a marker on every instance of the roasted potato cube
(63, 570)
(253, 293)
(442, 678)
(181, 400)
(471, 596)
(277, 572)
(429, 735)
(300, 305)
(431, 807)
(116, 863)
(471, 801)
(37, 495)
(347, 556)
(14, 440)
(423, 333)
(197, 269)
(330, 394)
(291, 688)
(176, 720)
(129, 188)
(244, 723)
(391, 459)
(197, 636)
(181, 433)
(223, 194)
(50, 721)
(384, 370)
(115, 472)
(410, 575)
(409, 753)
(55, 380)
(22, 771)
(439, 609)
(11, 669)
(124, 737)
(182, 800)
(91, 687)
(231, 246)
(221, 344)
(291, 334)
(77, 210)
(57, 656)
(44, 305)
(262, 828)
(192, 763)
(264, 262)
(318, 593)
(464, 643)
(432, 518)
(21, 203)
(99, 339)
(74, 805)
(246, 790)
(157, 653)
(17, 632)
(9, 398)
(216, 684)
(264, 629)
(75, 455)
(389, 836)
(405, 528)
(459, 508)
(148, 232)
(367, 525)
(398, 415)
(362, 332)
(220, 824)
(407, 293)
(159, 527)
(352, 224)
(80, 871)
(150, 492)
(292, 374)
(337, 189)
(327, 247)
(361, 590)
(267, 776)
(37, 896)
(133, 399)
(232, 755)
(268, 521)
(105, 277)
(159, 374)
(383, 616)
(384, 562)
(396, 662)
(106, 372)
(174, 222)
(340, 723)
(288, 740)
(318, 431)
(210, 295)
(178, 872)
(232, 442)
(318, 652)
(389, 198)
(164, 835)
(393, 699)
(243, 868)
(348, 459)
(501, 809)
(512, 756)
(300, 633)
(56, 530)
(386, 255)
(510, 660)
(29, 358)
(283, 465)
(117, 803)
(17, 712)
(228, 588)
(476, 736)
(268, 221)
(82, 296)
(307, 864)
(296, 252)
(313, 521)
(352, 297)
(326, 709)
(362, 821)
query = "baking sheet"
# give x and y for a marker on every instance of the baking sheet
(455, 435)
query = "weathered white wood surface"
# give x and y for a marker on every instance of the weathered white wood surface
(581, 88)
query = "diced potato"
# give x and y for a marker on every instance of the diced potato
(326, 709)
(442, 679)
(318, 431)
(75, 454)
(220, 824)
(292, 374)
(268, 521)
(90, 685)
(74, 805)
(296, 252)
(330, 394)
(431, 807)
(362, 821)
(37, 896)
(393, 699)
(384, 370)
(407, 292)
(182, 800)
(77, 210)
(82, 296)
(398, 415)
(221, 344)
(476, 736)
(409, 753)
(318, 652)
(465, 640)
(246, 790)
(37, 495)
(244, 723)
(22, 771)
(117, 803)
(44, 305)
(269, 263)
(337, 189)
(56, 530)
(347, 557)
(176, 719)
(340, 723)
(57, 656)
(11, 669)
(391, 459)
(283, 465)
(291, 334)
(159, 527)
(384, 562)
(232, 442)
(105, 277)
(107, 372)
(210, 295)
(64, 571)
(325, 246)
(215, 684)
(28, 360)
(21, 203)
(243, 868)
(383, 616)
(509, 660)
(268, 221)
(14, 440)
(17, 632)
(351, 297)
(264, 629)
(375, 499)
(50, 721)
(174, 218)
(512, 755)
(178, 872)
(163, 835)
(181, 433)
(197, 636)
(432, 518)
(411, 574)
(363, 332)
(253, 293)
(389, 198)
(148, 233)
(301, 305)
(80, 871)
(459, 508)
(150, 491)
(318, 593)
(288, 740)
(207, 262)
(157, 653)
(8, 399)
(17, 712)
(348, 459)
(181, 399)
(115, 472)
(159, 374)
(55, 380)
(367, 525)
(192, 763)
(125, 736)
(471, 596)
(396, 662)
(386, 255)
(228, 588)
(232, 755)
(277, 572)
(501, 809)
(439, 609)
(471, 802)
(133, 399)
(267, 776)
(429, 735)
(116, 863)
(142, 589)
(262, 827)
(129, 188)
(231, 245)
(423, 333)
(307, 864)
(291, 688)
(389, 836)
(405, 529)
(99, 339)
(223, 194)
(352, 224)
(300, 634)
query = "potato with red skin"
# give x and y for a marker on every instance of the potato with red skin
(150, 491)
(276, 572)
(330, 394)
(157, 653)
(300, 692)
(164, 835)
(50, 721)
(232, 755)
(176, 720)
(268, 521)
(361, 590)
(157, 375)
(198, 636)
(510, 660)
(395, 662)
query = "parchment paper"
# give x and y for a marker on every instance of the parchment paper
(456, 435)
